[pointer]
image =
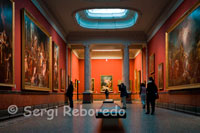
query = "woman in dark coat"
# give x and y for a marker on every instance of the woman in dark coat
(123, 95)
(152, 92)
(70, 94)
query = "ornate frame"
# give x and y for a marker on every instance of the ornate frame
(162, 67)
(189, 86)
(100, 82)
(13, 46)
(54, 45)
(152, 60)
(62, 75)
(27, 87)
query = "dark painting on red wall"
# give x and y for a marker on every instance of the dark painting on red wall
(183, 51)
(152, 63)
(36, 55)
(160, 76)
(6, 43)
(55, 66)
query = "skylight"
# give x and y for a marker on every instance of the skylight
(106, 18)
(115, 12)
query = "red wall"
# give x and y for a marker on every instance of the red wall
(75, 67)
(102, 67)
(29, 6)
(15, 98)
(157, 45)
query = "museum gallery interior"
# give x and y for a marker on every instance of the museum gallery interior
(99, 44)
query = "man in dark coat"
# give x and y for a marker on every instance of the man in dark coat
(70, 94)
(107, 93)
(123, 95)
(152, 91)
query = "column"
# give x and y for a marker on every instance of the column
(126, 79)
(87, 95)
(87, 68)
(126, 67)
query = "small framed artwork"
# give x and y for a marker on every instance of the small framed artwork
(92, 84)
(106, 83)
(130, 85)
(160, 76)
(135, 80)
(152, 64)
(138, 80)
(62, 79)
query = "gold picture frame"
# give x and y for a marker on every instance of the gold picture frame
(11, 83)
(106, 82)
(56, 64)
(93, 84)
(175, 29)
(36, 30)
(152, 64)
(161, 76)
(62, 79)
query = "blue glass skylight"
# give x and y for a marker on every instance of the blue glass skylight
(106, 13)
(108, 18)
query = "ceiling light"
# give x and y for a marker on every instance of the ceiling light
(106, 50)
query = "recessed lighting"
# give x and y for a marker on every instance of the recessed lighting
(106, 50)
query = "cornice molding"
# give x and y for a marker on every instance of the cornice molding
(44, 11)
(163, 18)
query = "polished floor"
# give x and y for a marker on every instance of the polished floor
(164, 121)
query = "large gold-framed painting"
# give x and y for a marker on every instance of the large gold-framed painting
(160, 76)
(36, 55)
(7, 43)
(183, 51)
(106, 83)
(55, 67)
(152, 63)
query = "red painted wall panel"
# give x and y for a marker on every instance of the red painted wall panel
(75, 67)
(102, 67)
(29, 6)
(31, 99)
(157, 45)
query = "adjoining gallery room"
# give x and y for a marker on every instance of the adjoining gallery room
(99, 66)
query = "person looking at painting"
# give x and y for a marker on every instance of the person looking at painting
(70, 94)
(107, 93)
(123, 95)
(152, 93)
(143, 94)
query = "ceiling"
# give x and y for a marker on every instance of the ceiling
(63, 13)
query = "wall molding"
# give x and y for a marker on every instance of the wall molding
(50, 19)
(163, 18)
